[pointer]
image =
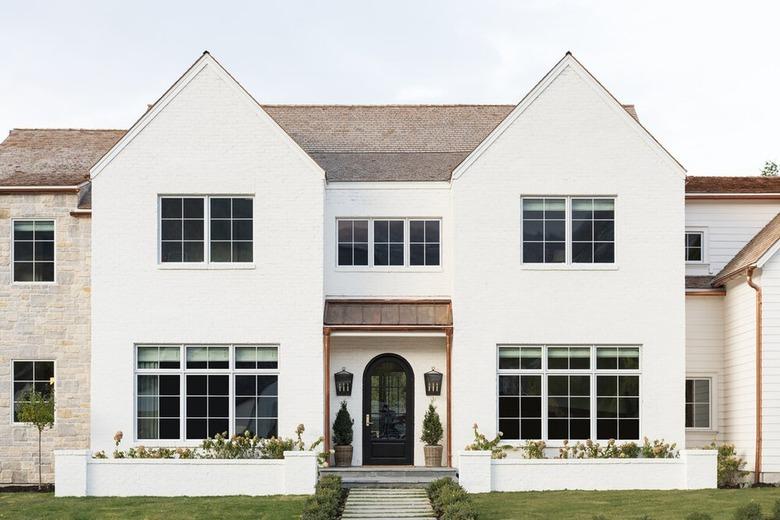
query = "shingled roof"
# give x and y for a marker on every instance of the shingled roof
(52, 157)
(752, 252)
(349, 142)
(735, 185)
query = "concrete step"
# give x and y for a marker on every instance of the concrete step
(387, 504)
(389, 477)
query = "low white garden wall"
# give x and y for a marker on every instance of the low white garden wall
(694, 469)
(76, 473)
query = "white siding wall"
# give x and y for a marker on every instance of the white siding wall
(209, 140)
(770, 284)
(728, 225)
(738, 405)
(704, 358)
(571, 140)
(391, 200)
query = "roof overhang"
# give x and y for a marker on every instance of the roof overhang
(38, 189)
(388, 316)
(737, 196)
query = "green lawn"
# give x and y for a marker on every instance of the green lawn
(621, 505)
(44, 505)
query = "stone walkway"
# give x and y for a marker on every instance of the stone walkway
(387, 504)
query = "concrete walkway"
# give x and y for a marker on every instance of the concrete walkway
(387, 504)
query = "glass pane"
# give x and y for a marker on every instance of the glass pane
(582, 208)
(689, 390)
(23, 370)
(531, 358)
(689, 413)
(242, 230)
(23, 251)
(267, 357)
(148, 357)
(558, 385)
(531, 385)
(582, 252)
(432, 231)
(23, 272)
(218, 357)
(396, 254)
(246, 357)
(604, 209)
(169, 357)
(510, 428)
(220, 207)
(417, 254)
(242, 208)
(554, 252)
(171, 230)
(509, 385)
(396, 231)
(693, 239)
(361, 254)
(701, 415)
(557, 358)
(531, 428)
(171, 208)
(701, 391)
(193, 230)
(432, 254)
(604, 231)
(197, 357)
(508, 358)
(606, 386)
(246, 385)
(381, 230)
(417, 231)
(267, 385)
(345, 254)
(582, 230)
(148, 385)
(554, 208)
(171, 252)
(221, 252)
(533, 253)
(604, 253)
(629, 358)
(381, 254)
(533, 208)
(579, 358)
(531, 406)
(192, 252)
(361, 231)
(193, 208)
(508, 407)
(554, 231)
(44, 271)
(44, 230)
(579, 385)
(345, 230)
(169, 385)
(533, 230)
(607, 358)
(23, 229)
(242, 251)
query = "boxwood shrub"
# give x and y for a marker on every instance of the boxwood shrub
(326, 502)
(450, 501)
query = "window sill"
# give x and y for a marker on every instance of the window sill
(701, 430)
(206, 267)
(167, 443)
(34, 284)
(399, 269)
(569, 267)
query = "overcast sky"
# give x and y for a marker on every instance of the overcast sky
(705, 76)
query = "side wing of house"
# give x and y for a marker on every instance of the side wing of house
(207, 272)
(569, 281)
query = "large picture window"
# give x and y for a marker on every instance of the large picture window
(33, 251)
(190, 392)
(557, 392)
(29, 376)
(568, 230)
(185, 236)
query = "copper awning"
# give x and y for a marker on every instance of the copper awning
(402, 314)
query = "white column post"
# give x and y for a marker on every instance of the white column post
(701, 469)
(474, 471)
(70, 473)
(300, 472)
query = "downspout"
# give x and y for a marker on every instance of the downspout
(759, 371)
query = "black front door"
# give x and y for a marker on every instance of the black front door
(388, 411)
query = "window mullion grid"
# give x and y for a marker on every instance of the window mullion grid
(371, 245)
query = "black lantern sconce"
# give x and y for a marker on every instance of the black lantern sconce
(343, 382)
(433, 382)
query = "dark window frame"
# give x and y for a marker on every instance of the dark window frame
(47, 272)
(37, 384)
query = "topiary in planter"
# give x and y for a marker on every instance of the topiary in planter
(342, 436)
(432, 433)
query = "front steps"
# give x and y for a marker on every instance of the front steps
(387, 504)
(388, 476)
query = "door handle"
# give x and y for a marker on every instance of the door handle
(368, 420)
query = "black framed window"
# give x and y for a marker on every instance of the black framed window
(593, 231)
(230, 222)
(353, 242)
(693, 246)
(424, 242)
(388, 242)
(217, 389)
(33, 250)
(698, 401)
(181, 229)
(544, 231)
(568, 407)
(520, 406)
(29, 376)
(257, 404)
(617, 407)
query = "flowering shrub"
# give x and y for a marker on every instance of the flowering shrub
(246, 446)
(534, 449)
(730, 472)
(658, 449)
(482, 443)
(593, 450)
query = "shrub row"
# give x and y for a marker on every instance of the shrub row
(450, 501)
(327, 500)
(750, 511)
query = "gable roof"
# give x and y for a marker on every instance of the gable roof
(749, 255)
(732, 185)
(569, 62)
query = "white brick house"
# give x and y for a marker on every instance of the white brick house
(243, 254)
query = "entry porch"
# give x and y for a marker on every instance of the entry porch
(388, 347)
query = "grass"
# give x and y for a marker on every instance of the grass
(621, 505)
(44, 505)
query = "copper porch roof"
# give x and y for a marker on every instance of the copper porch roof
(388, 313)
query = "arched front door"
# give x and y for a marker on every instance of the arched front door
(388, 411)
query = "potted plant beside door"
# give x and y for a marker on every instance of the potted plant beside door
(342, 436)
(432, 433)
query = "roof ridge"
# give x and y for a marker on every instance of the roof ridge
(383, 105)
(69, 129)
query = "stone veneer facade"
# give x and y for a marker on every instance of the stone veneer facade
(45, 321)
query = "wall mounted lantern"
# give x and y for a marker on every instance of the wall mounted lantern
(433, 382)
(343, 382)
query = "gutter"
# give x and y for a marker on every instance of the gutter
(38, 189)
(735, 196)
(759, 373)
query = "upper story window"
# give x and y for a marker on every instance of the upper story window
(693, 246)
(33, 251)
(568, 230)
(394, 242)
(185, 237)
